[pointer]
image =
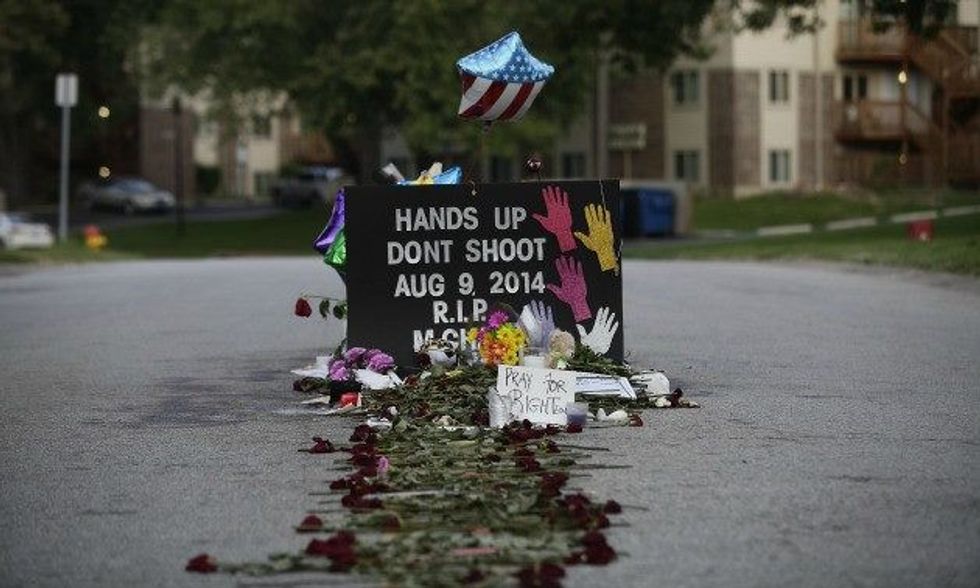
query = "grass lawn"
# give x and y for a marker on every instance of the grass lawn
(955, 248)
(290, 233)
(782, 208)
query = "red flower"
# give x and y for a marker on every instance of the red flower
(575, 502)
(310, 524)
(357, 501)
(364, 459)
(473, 577)
(612, 507)
(321, 445)
(302, 308)
(339, 548)
(551, 447)
(551, 483)
(202, 564)
(523, 452)
(597, 551)
(528, 464)
(480, 417)
(391, 523)
(545, 575)
(574, 428)
(363, 433)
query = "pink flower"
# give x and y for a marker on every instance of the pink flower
(354, 354)
(383, 465)
(339, 373)
(497, 318)
(381, 363)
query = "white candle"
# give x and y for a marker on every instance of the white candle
(535, 361)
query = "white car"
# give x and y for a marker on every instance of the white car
(128, 195)
(17, 232)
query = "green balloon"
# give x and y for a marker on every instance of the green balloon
(336, 254)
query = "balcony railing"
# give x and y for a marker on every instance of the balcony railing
(856, 41)
(879, 120)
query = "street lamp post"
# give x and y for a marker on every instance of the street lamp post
(178, 162)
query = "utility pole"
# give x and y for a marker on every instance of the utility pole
(179, 162)
(819, 120)
(65, 96)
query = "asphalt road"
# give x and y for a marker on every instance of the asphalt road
(146, 417)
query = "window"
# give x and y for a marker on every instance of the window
(855, 87)
(779, 172)
(778, 86)
(684, 85)
(501, 169)
(687, 166)
(262, 126)
(262, 181)
(573, 165)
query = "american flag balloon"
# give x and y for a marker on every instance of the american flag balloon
(501, 80)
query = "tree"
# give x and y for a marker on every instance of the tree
(40, 38)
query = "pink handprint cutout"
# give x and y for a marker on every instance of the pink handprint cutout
(573, 290)
(558, 220)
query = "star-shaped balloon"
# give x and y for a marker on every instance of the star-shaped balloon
(501, 81)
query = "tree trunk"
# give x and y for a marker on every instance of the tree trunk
(14, 161)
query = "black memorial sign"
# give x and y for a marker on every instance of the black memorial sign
(428, 261)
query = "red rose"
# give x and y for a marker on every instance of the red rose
(391, 523)
(612, 507)
(321, 445)
(573, 428)
(597, 551)
(473, 577)
(310, 524)
(339, 548)
(202, 564)
(302, 308)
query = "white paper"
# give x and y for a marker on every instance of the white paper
(602, 385)
(539, 395)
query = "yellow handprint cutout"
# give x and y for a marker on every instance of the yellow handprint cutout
(600, 237)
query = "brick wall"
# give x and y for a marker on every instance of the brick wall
(156, 149)
(808, 135)
(733, 129)
(639, 99)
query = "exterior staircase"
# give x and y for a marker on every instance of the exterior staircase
(944, 144)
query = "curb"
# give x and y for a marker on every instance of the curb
(861, 222)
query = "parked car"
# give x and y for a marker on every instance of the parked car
(311, 184)
(128, 195)
(17, 231)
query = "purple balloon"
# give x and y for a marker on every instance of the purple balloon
(326, 238)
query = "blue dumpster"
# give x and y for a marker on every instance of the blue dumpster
(648, 212)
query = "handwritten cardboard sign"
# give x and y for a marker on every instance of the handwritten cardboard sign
(429, 261)
(539, 395)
